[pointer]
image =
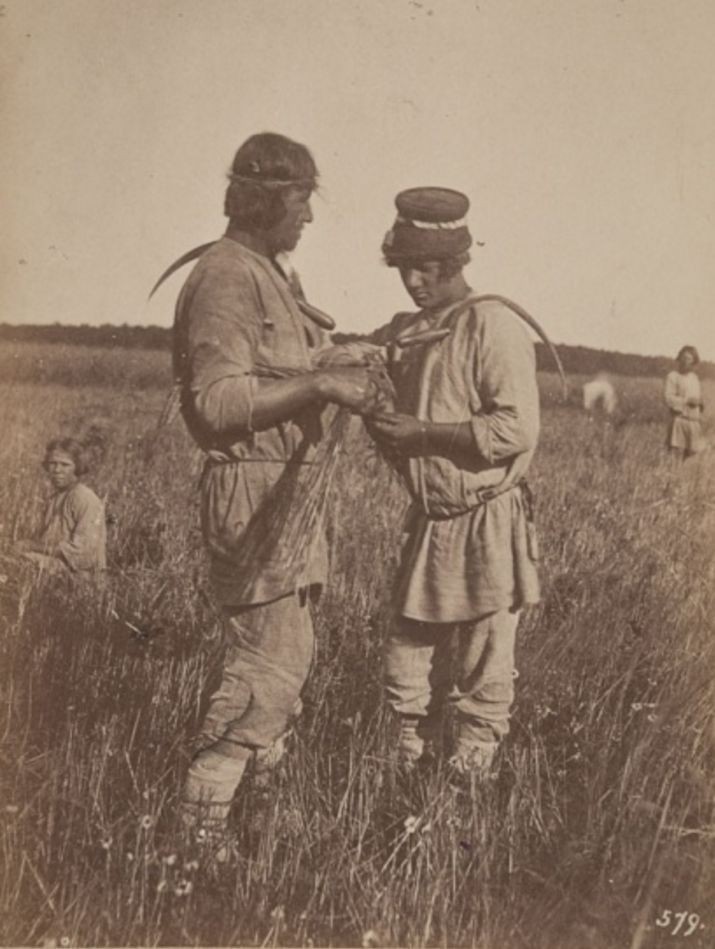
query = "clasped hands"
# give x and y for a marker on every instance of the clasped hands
(354, 376)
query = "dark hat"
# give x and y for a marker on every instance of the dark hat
(430, 225)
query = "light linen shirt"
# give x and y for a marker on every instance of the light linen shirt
(470, 546)
(237, 318)
(680, 389)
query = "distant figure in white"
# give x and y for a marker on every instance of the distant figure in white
(599, 396)
(684, 399)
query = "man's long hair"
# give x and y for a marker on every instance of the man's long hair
(263, 168)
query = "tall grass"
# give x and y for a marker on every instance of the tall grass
(602, 814)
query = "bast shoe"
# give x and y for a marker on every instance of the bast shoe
(410, 744)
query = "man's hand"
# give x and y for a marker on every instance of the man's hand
(349, 386)
(408, 436)
(399, 434)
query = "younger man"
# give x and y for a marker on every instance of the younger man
(463, 434)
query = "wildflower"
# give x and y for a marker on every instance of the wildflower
(277, 913)
(191, 866)
(370, 939)
(161, 886)
(411, 824)
(201, 835)
(183, 887)
(169, 859)
(130, 856)
(106, 842)
(64, 942)
(146, 822)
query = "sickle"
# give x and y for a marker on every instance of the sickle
(312, 312)
(433, 336)
(529, 319)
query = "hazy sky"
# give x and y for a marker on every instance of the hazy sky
(582, 130)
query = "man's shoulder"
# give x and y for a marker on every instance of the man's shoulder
(224, 273)
(490, 314)
(225, 257)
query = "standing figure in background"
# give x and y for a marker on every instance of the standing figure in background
(684, 399)
(73, 536)
(247, 360)
(463, 433)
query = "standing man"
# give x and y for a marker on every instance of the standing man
(463, 434)
(244, 357)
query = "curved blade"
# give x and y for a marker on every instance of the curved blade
(184, 259)
(528, 318)
(312, 312)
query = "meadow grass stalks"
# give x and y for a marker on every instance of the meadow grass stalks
(601, 816)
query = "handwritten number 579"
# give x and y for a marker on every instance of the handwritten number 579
(678, 920)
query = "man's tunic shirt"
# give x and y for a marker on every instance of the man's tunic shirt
(469, 549)
(236, 320)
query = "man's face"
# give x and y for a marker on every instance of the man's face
(284, 235)
(425, 284)
(60, 469)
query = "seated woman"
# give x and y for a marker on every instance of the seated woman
(73, 535)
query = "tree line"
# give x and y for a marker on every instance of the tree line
(578, 360)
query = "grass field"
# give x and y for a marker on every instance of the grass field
(599, 830)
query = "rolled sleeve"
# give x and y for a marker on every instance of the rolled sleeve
(223, 337)
(508, 423)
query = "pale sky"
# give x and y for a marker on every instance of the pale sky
(582, 130)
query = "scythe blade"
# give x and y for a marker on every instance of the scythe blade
(312, 312)
(178, 264)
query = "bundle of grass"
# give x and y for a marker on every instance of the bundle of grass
(285, 534)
